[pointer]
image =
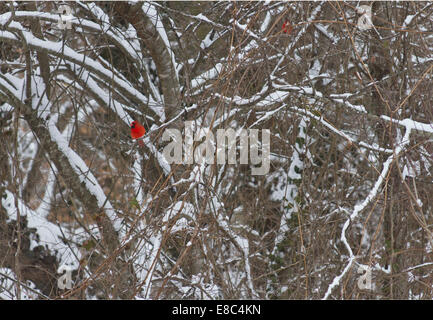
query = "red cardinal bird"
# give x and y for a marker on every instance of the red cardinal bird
(287, 27)
(137, 132)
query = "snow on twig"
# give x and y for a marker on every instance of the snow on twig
(60, 49)
(360, 207)
(150, 11)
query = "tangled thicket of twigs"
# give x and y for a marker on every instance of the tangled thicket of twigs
(351, 178)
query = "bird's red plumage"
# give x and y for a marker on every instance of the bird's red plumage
(137, 130)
